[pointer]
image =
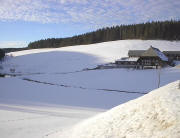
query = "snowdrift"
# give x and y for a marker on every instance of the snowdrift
(155, 115)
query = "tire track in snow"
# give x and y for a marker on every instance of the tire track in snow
(51, 133)
(80, 87)
(63, 132)
(42, 112)
(23, 119)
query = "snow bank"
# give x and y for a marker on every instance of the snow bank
(155, 115)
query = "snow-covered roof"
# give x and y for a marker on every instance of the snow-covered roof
(154, 52)
(161, 55)
(135, 53)
(128, 59)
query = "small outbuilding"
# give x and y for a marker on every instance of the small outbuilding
(127, 62)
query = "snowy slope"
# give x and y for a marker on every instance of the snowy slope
(79, 57)
(62, 68)
(48, 78)
(155, 115)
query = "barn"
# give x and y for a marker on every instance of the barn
(150, 58)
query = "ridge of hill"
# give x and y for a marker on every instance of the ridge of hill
(155, 115)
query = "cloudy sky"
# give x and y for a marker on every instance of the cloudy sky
(23, 21)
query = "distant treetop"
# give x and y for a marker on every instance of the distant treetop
(160, 30)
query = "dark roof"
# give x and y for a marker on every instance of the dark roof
(135, 53)
(172, 52)
(154, 52)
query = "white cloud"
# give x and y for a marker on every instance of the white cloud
(88, 12)
(13, 44)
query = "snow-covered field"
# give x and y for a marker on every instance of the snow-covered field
(18, 121)
(54, 80)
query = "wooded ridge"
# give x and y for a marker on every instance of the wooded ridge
(165, 30)
(159, 30)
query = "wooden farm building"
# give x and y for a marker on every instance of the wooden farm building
(128, 62)
(153, 57)
(150, 58)
(172, 55)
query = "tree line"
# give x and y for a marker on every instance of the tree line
(159, 30)
(2, 54)
(7, 50)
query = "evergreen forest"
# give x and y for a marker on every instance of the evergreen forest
(159, 30)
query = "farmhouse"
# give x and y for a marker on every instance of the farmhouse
(150, 58)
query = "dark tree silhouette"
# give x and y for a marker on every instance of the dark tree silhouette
(165, 30)
(2, 54)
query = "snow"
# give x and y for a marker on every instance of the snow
(53, 80)
(155, 115)
(177, 62)
(161, 55)
(75, 58)
(28, 93)
(118, 79)
(19, 121)
(128, 59)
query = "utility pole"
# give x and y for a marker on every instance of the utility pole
(159, 76)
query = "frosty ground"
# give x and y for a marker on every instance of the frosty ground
(51, 91)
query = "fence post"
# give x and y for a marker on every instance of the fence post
(159, 76)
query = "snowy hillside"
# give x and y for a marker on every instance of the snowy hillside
(155, 115)
(47, 82)
(51, 76)
(79, 57)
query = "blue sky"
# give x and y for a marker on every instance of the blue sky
(24, 21)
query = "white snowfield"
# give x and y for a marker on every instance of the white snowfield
(155, 115)
(19, 121)
(75, 58)
(62, 80)
(52, 92)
